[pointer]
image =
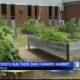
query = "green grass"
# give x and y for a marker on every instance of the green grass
(18, 29)
(21, 41)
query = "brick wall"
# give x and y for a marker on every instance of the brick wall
(21, 14)
(71, 11)
(44, 14)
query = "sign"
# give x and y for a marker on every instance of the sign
(38, 65)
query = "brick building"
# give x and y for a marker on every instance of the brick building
(20, 13)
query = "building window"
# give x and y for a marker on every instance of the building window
(3, 8)
(56, 12)
(12, 9)
(36, 11)
(29, 11)
(50, 12)
(50, 15)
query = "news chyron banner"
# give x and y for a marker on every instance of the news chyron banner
(39, 65)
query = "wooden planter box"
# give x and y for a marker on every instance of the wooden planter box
(69, 52)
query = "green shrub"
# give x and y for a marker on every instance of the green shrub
(32, 27)
(8, 48)
(71, 28)
(39, 27)
(49, 34)
(28, 26)
(77, 36)
(3, 19)
(67, 33)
